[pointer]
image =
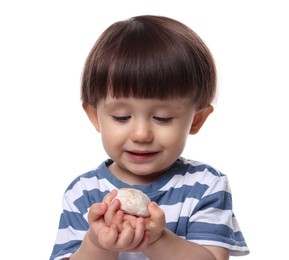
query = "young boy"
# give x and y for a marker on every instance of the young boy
(147, 84)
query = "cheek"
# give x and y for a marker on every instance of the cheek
(175, 138)
(111, 137)
(107, 135)
(110, 143)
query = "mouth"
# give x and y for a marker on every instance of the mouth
(140, 155)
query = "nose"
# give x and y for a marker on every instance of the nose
(141, 132)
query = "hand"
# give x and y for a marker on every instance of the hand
(155, 224)
(118, 234)
(116, 216)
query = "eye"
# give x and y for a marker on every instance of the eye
(121, 118)
(163, 119)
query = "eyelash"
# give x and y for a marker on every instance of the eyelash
(163, 119)
(156, 118)
(121, 118)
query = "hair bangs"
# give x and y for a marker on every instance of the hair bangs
(146, 57)
(151, 64)
(152, 73)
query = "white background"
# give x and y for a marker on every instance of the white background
(46, 139)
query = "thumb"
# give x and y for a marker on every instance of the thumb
(157, 214)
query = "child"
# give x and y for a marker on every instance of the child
(147, 84)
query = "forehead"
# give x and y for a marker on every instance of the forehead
(177, 104)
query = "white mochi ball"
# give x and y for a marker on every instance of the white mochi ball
(133, 202)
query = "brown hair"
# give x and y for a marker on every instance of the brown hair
(149, 57)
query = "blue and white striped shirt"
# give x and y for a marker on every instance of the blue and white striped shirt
(195, 197)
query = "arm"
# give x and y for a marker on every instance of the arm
(89, 251)
(90, 248)
(104, 240)
(164, 244)
(170, 246)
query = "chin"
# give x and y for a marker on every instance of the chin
(146, 172)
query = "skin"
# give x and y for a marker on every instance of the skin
(148, 136)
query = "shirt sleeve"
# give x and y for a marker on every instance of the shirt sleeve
(72, 227)
(213, 221)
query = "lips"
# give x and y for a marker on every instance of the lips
(140, 156)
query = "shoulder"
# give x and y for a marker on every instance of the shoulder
(86, 189)
(91, 184)
(94, 178)
(194, 177)
(83, 179)
(197, 166)
(203, 174)
(199, 169)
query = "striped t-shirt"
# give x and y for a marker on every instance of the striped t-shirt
(195, 197)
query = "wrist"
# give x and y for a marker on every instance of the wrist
(155, 238)
(89, 250)
(156, 245)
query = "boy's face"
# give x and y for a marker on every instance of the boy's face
(144, 137)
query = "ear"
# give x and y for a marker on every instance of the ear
(91, 112)
(199, 119)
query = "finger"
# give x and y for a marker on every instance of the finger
(108, 237)
(96, 211)
(143, 244)
(156, 222)
(139, 233)
(108, 198)
(118, 220)
(157, 216)
(110, 214)
(125, 237)
(131, 219)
